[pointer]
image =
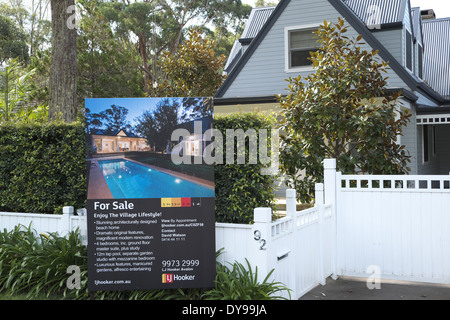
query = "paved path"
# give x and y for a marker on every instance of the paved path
(356, 289)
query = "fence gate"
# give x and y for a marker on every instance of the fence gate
(397, 227)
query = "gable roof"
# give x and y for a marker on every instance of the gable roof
(124, 131)
(399, 14)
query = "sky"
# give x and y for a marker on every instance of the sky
(136, 106)
(440, 7)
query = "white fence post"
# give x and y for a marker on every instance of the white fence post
(291, 203)
(330, 185)
(64, 224)
(291, 212)
(320, 206)
(261, 243)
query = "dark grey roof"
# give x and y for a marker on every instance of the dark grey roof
(373, 12)
(257, 18)
(255, 22)
(436, 37)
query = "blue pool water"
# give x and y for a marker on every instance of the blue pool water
(128, 180)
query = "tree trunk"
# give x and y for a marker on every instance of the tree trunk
(64, 66)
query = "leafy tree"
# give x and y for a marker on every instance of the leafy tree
(93, 121)
(157, 125)
(108, 64)
(112, 119)
(20, 83)
(193, 71)
(12, 41)
(160, 26)
(341, 111)
(31, 17)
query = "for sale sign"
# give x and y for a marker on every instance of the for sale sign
(150, 221)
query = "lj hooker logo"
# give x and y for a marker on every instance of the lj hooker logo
(170, 277)
(167, 278)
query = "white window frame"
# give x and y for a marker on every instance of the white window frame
(287, 30)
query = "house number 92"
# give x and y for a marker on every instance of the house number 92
(257, 237)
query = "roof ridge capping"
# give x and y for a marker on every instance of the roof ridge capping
(436, 20)
(265, 7)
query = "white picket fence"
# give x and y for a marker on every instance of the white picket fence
(47, 223)
(398, 226)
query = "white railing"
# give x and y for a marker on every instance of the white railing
(297, 247)
(46, 223)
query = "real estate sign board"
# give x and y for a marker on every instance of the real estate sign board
(150, 220)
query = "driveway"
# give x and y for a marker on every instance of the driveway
(347, 288)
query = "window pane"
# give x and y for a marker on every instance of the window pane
(408, 50)
(302, 39)
(420, 62)
(300, 58)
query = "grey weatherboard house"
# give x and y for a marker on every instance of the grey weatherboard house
(277, 39)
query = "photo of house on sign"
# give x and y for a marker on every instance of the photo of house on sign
(130, 148)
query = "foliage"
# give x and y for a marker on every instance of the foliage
(20, 86)
(107, 64)
(157, 125)
(12, 41)
(160, 26)
(42, 167)
(39, 90)
(241, 187)
(111, 120)
(240, 282)
(35, 265)
(31, 18)
(341, 111)
(193, 70)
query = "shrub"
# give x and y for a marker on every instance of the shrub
(36, 266)
(42, 167)
(241, 283)
(241, 188)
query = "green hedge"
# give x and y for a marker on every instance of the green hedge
(241, 188)
(42, 167)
